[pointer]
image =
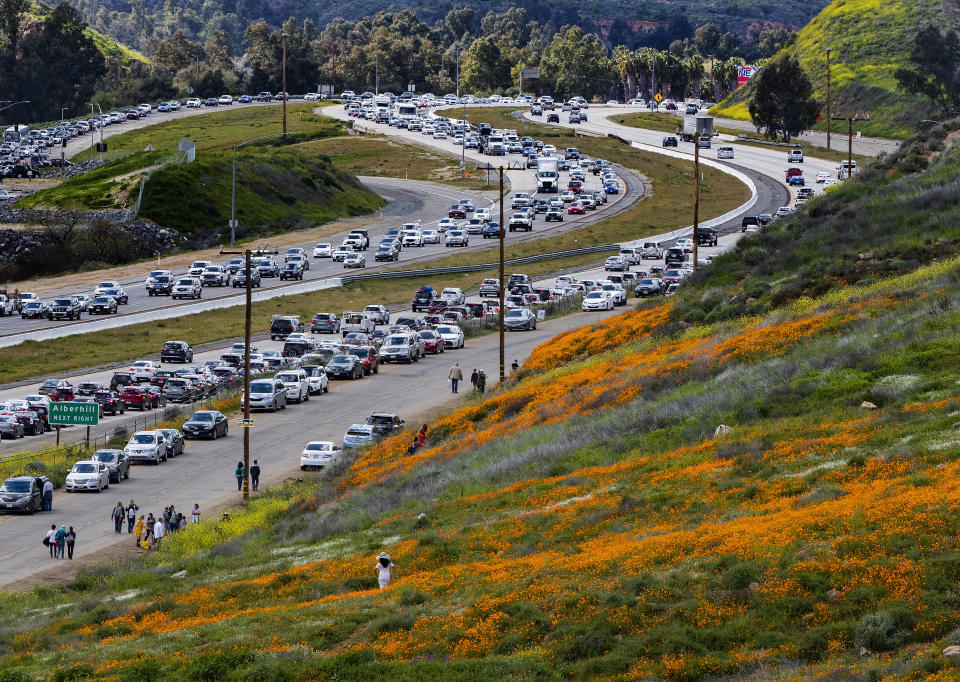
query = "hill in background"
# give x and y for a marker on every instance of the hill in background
(590, 519)
(870, 40)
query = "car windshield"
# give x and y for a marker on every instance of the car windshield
(63, 301)
(185, 281)
(515, 313)
(143, 438)
(105, 456)
(647, 280)
(595, 294)
(199, 264)
(84, 468)
(427, 334)
(261, 387)
(445, 330)
(203, 416)
(11, 486)
(357, 432)
(323, 447)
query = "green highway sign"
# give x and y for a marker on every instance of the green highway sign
(82, 414)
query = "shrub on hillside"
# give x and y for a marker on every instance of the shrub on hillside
(885, 630)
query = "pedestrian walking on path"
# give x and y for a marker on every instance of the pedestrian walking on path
(255, 475)
(48, 495)
(71, 539)
(456, 376)
(51, 540)
(385, 569)
(481, 381)
(61, 540)
(238, 472)
(131, 516)
(138, 528)
(196, 513)
(474, 378)
(118, 515)
(515, 366)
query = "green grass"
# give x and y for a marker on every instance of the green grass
(221, 130)
(870, 40)
(100, 188)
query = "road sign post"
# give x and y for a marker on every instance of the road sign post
(81, 414)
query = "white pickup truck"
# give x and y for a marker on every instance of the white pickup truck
(356, 322)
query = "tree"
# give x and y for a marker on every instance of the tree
(11, 12)
(771, 41)
(936, 61)
(577, 63)
(783, 102)
(482, 68)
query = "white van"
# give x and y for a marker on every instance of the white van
(726, 153)
(846, 169)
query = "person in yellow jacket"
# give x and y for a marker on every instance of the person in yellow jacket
(138, 529)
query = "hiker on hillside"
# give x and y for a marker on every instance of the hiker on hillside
(238, 472)
(196, 513)
(132, 509)
(158, 532)
(456, 376)
(255, 475)
(71, 538)
(118, 515)
(384, 569)
(514, 367)
(422, 436)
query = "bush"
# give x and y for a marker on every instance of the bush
(580, 641)
(885, 630)
(217, 665)
(739, 576)
(392, 623)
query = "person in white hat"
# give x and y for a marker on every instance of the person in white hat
(384, 569)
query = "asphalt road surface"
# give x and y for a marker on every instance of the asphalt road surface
(204, 473)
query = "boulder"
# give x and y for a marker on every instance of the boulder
(952, 654)
(723, 430)
(753, 587)
(867, 405)
(833, 596)
(179, 574)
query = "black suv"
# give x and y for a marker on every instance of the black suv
(112, 404)
(749, 220)
(384, 424)
(706, 236)
(176, 351)
(121, 379)
(282, 327)
(160, 286)
(240, 279)
(422, 300)
(64, 309)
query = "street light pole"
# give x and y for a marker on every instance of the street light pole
(696, 197)
(828, 96)
(503, 282)
(246, 370)
(283, 80)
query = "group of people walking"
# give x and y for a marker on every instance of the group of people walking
(239, 474)
(478, 378)
(149, 530)
(60, 539)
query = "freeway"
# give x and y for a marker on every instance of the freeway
(204, 473)
(410, 201)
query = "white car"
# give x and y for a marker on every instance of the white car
(597, 300)
(724, 152)
(323, 251)
(355, 260)
(618, 292)
(194, 103)
(340, 253)
(456, 238)
(317, 377)
(440, 135)
(453, 296)
(686, 244)
(187, 287)
(784, 211)
(88, 475)
(412, 238)
(823, 176)
(311, 97)
(197, 268)
(483, 213)
(318, 454)
(225, 100)
(446, 224)
(144, 370)
(297, 384)
(430, 237)
(147, 445)
(157, 273)
(452, 336)
(101, 287)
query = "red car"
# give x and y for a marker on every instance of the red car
(452, 317)
(433, 318)
(432, 340)
(793, 171)
(576, 208)
(457, 211)
(62, 394)
(135, 396)
(575, 186)
(368, 356)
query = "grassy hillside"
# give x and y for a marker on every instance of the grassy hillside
(589, 520)
(870, 40)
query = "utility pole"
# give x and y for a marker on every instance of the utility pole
(91, 136)
(850, 120)
(376, 74)
(283, 81)
(463, 147)
(458, 72)
(246, 370)
(696, 197)
(828, 96)
(503, 282)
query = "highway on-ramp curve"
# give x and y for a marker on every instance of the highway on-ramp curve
(204, 473)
